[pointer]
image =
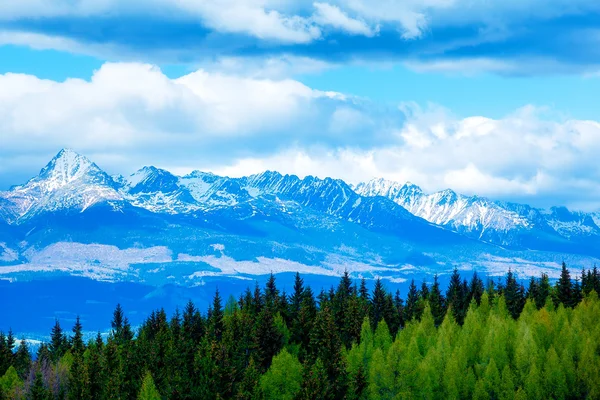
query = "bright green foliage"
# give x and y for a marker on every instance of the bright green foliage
(10, 382)
(148, 390)
(352, 344)
(283, 379)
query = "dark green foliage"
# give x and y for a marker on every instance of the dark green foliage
(564, 287)
(513, 295)
(437, 302)
(412, 308)
(58, 343)
(38, 389)
(456, 297)
(476, 288)
(349, 346)
(22, 359)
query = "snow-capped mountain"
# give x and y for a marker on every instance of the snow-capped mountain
(498, 222)
(69, 181)
(153, 225)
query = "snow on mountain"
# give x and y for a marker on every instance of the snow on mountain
(211, 190)
(446, 208)
(69, 181)
(480, 217)
(158, 190)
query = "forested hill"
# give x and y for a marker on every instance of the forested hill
(493, 340)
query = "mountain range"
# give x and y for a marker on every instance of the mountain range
(154, 227)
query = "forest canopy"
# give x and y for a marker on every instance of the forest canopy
(475, 340)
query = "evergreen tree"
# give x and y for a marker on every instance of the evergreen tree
(58, 342)
(411, 310)
(424, 294)
(564, 287)
(38, 390)
(325, 344)
(377, 303)
(148, 390)
(436, 302)
(456, 297)
(476, 288)
(543, 291)
(315, 383)
(22, 359)
(513, 295)
(215, 320)
(363, 291)
(268, 339)
(297, 296)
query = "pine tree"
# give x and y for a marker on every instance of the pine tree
(577, 293)
(476, 288)
(424, 294)
(215, 321)
(456, 297)
(271, 292)
(325, 344)
(268, 339)
(315, 384)
(377, 303)
(148, 390)
(93, 366)
(38, 390)
(411, 310)
(513, 296)
(22, 359)
(543, 291)
(58, 342)
(436, 302)
(121, 329)
(78, 384)
(564, 287)
(297, 296)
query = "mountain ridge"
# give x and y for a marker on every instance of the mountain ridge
(154, 225)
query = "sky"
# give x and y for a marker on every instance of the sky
(498, 99)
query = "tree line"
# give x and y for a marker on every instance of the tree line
(492, 340)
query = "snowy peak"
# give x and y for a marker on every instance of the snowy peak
(69, 166)
(69, 181)
(152, 179)
(468, 214)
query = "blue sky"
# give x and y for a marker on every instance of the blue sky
(491, 98)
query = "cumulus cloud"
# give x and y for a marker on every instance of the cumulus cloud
(129, 115)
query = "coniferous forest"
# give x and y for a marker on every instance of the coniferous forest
(475, 340)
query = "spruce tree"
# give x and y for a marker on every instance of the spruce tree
(38, 390)
(436, 302)
(411, 310)
(476, 288)
(22, 359)
(315, 383)
(564, 287)
(456, 297)
(543, 291)
(325, 344)
(513, 296)
(58, 342)
(215, 321)
(377, 303)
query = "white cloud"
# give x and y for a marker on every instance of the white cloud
(128, 115)
(330, 15)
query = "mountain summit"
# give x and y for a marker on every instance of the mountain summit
(69, 181)
(232, 224)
